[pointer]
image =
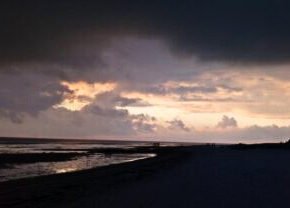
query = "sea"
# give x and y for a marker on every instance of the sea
(19, 157)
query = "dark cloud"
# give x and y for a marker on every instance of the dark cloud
(177, 124)
(144, 123)
(96, 120)
(227, 122)
(74, 32)
(163, 90)
(104, 108)
(208, 88)
(194, 89)
(105, 112)
(113, 99)
(25, 94)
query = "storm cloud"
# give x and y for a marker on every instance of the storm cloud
(29, 94)
(75, 32)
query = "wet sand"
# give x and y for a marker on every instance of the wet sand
(179, 177)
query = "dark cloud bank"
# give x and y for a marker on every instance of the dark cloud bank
(62, 31)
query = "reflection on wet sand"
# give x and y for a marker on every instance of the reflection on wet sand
(65, 170)
(80, 162)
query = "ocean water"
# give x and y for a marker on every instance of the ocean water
(12, 171)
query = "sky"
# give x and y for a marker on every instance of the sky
(193, 71)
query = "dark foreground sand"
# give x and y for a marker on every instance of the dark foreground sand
(188, 177)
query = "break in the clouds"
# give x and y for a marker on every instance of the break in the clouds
(131, 68)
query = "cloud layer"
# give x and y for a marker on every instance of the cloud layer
(61, 32)
(154, 68)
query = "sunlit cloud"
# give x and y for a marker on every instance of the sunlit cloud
(84, 93)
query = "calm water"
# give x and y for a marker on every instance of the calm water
(16, 171)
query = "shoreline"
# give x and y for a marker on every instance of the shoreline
(18, 193)
(68, 155)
